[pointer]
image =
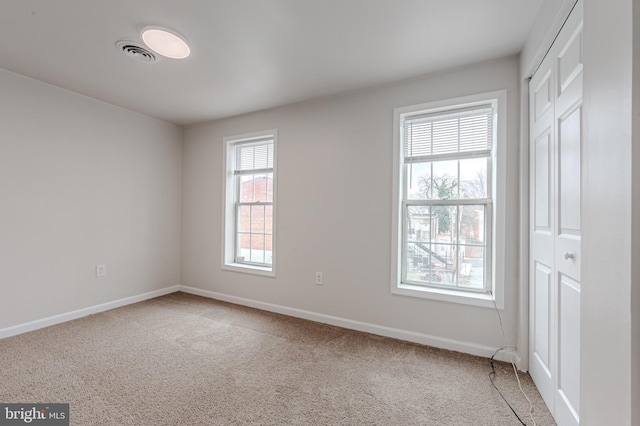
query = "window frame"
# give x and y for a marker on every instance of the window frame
(495, 223)
(231, 205)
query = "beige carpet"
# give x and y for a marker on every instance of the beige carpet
(186, 360)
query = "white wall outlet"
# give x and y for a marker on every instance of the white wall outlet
(318, 278)
(101, 271)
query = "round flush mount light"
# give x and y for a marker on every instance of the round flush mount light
(165, 42)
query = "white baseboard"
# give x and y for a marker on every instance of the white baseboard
(57, 319)
(506, 355)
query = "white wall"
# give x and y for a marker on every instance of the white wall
(547, 25)
(635, 218)
(607, 214)
(334, 208)
(82, 183)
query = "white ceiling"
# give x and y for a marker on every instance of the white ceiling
(251, 54)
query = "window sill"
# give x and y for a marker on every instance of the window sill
(249, 269)
(446, 295)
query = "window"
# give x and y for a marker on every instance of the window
(249, 220)
(445, 166)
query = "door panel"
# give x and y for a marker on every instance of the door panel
(542, 195)
(555, 225)
(542, 316)
(569, 173)
(569, 345)
(570, 60)
(542, 96)
(542, 232)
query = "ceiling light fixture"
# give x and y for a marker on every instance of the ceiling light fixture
(165, 42)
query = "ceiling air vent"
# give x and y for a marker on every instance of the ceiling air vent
(135, 51)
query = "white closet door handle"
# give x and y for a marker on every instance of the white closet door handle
(568, 255)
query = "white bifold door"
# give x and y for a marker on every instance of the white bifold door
(555, 102)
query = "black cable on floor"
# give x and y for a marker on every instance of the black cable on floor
(491, 377)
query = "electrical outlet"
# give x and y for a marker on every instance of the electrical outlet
(318, 278)
(101, 271)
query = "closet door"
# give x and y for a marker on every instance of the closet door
(541, 230)
(555, 230)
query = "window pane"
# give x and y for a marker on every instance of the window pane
(423, 264)
(447, 237)
(419, 223)
(442, 256)
(472, 267)
(419, 181)
(268, 248)
(257, 248)
(262, 184)
(445, 223)
(268, 196)
(472, 236)
(257, 219)
(255, 188)
(268, 220)
(246, 188)
(444, 180)
(243, 247)
(244, 218)
(473, 178)
(472, 224)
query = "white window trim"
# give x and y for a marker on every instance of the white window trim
(496, 296)
(228, 205)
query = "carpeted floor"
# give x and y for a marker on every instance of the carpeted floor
(187, 360)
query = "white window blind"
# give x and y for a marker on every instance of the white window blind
(254, 156)
(463, 133)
